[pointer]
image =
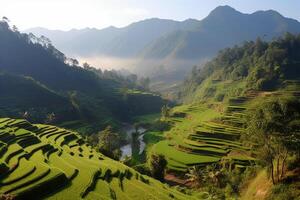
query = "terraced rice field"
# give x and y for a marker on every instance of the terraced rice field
(201, 135)
(43, 161)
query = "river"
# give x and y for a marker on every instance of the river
(127, 149)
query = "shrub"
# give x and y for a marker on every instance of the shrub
(143, 169)
(283, 192)
(157, 165)
(108, 175)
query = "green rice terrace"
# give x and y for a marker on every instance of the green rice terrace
(203, 134)
(54, 163)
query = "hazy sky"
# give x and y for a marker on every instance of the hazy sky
(67, 14)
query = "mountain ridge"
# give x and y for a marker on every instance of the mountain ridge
(155, 43)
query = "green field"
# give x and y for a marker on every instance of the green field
(43, 161)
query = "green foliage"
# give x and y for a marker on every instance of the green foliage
(165, 111)
(260, 65)
(143, 169)
(157, 165)
(197, 176)
(283, 192)
(274, 128)
(109, 143)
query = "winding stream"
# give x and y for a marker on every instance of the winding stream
(127, 149)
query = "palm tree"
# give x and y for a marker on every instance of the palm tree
(214, 174)
(196, 176)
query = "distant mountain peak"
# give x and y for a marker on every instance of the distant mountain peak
(268, 12)
(223, 10)
(191, 20)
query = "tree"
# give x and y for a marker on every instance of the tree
(72, 62)
(135, 144)
(214, 174)
(109, 143)
(196, 175)
(273, 128)
(86, 66)
(50, 118)
(44, 41)
(5, 19)
(165, 111)
(157, 165)
(15, 28)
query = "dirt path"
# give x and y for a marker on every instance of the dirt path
(173, 180)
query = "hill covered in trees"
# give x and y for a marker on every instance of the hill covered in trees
(260, 66)
(57, 87)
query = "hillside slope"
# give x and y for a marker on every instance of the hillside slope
(207, 128)
(42, 161)
(254, 66)
(24, 97)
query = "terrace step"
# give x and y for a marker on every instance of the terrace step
(40, 172)
(24, 170)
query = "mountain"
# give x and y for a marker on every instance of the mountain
(111, 41)
(32, 67)
(223, 27)
(166, 49)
